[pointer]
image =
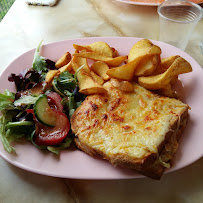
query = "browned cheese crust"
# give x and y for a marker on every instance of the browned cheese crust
(138, 130)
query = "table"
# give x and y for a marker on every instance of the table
(22, 29)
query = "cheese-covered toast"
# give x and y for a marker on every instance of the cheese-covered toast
(138, 130)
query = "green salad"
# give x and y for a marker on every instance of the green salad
(38, 111)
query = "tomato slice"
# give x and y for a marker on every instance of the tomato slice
(54, 101)
(46, 135)
(32, 112)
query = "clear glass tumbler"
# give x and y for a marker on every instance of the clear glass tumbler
(178, 19)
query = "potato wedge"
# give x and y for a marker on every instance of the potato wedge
(50, 75)
(65, 59)
(148, 65)
(122, 85)
(102, 48)
(124, 72)
(115, 52)
(143, 48)
(160, 81)
(82, 47)
(97, 78)
(165, 64)
(97, 57)
(100, 68)
(87, 85)
(140, 48)
(67, 67)
(77, 62)
(167, 92)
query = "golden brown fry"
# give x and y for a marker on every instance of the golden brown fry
(102, 48)
(115, 52)
(82, 47)
(125, 72)
(50, 75)
(77, 62)
(167, 92)
(100, 68)
(97, 57)
(147, 65)
(67, 67)
(87, 85)
(65, 59)
(165, 64)
(97, 78)
(160, 81)
(122, 85)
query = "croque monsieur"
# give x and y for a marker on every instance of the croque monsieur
(138, 130)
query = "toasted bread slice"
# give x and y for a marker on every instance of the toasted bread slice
(138, 130)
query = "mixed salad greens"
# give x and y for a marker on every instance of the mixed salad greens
(38, 112)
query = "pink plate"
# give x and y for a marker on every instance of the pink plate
(140, 3)
(78, 165)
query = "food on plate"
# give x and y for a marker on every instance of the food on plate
(98, 57)
(138, 130)
(148, 65)
(102, 48)
(122, 85)
(118, 106)
(40, 109)
(100, 68)
(65, 59)
(143, 48)
(155, 82)
(88, 85)
(124, 72)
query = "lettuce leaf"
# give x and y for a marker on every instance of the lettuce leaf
(6, 99)
(13, 131)
(39, 64)
(64, 145)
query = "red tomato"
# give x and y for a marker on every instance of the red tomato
(32, 112)
(54, 101)
(46, 135)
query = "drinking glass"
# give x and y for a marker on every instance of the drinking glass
(178, 19)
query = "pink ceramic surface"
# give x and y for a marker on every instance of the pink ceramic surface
(78, 165)
(138, 3)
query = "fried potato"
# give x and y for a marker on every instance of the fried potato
(165, 64)
(97, 78)
(97, 57)
(124, 72)
(122, 85)
(174, 80)
(50, 75)
(142, 48)
(67, 67)
(167, 92)
(87, 85)
(65, 59)
(77, 62)
(179, 66)
(82, 47)
(100, 68)
(102, 48)
(115, 52)
(147, 65)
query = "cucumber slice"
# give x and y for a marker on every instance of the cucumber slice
(43, 112)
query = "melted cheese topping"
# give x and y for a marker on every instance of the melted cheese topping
(126, 123)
